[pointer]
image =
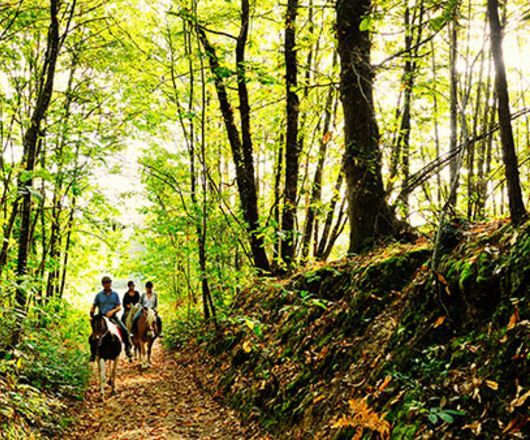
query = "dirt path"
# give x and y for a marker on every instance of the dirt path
(164, 402)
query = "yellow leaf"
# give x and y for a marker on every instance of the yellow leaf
(247, 347)
(319, 398)
(385, 383)
(476, 427)
(492, 384)
(514, 319)
(343, 422)
(439, 321)
(521, 400)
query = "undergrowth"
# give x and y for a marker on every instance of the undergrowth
(382, 341)
(49, 365)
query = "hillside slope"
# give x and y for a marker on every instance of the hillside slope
(380, 346)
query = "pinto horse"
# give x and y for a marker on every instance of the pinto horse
(108, 348)
(145, 331)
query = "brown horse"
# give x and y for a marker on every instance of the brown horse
(145, 331)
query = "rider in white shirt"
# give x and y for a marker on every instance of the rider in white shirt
(149, 299)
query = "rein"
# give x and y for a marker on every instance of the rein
(103, 337)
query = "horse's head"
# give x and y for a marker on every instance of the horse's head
(150, 319)
(99, 327)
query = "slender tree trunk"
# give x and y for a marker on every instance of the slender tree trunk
(370, 216)
(8, 230)
(436, 128)
(322, 244)
(453, 112)
(243, 161)
(291, 138)
(335, 233)
(66, 251)
(509, 156)
(316, 189)
(30, 142)
(277, 200)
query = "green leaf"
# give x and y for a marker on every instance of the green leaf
(433, 418)
(35, 193)
(366, 23)
(446, 417)
(437, 23)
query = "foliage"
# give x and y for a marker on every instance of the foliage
(47, 367)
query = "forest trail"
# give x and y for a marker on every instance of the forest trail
(164, 402)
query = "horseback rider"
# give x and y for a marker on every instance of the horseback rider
(108, 303)
(149, 299)
(130, 298)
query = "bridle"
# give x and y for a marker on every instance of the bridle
(102, 337)
(151, 328)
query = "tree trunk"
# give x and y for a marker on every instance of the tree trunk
(369, 215)
(30, 142)
(509, 156)
(243, 162)
(291, 138)
(453, 112)
(316, 190)
(322, 244)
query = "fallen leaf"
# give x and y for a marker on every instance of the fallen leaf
(492, 384)
(442, 279)
(247, 347)
(520, 400)
(439, 321)
(385, 383)
(476, 427)
(514, 319)
(319, 398)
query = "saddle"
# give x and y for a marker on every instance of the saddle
(114, 329)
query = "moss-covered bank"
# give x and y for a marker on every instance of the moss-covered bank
(380, 345)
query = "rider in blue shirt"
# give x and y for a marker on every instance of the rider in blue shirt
(108, 303)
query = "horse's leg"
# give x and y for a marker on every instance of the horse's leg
(101, 367)
(149, 347)
(143, 354)
(136, 349)
(113, 374)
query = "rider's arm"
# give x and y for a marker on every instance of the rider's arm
(116, 308)
(94, 305)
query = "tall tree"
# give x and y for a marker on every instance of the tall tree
(291, 137)
(509, 156)
(242, 157)
(370, 216)
(453, 108)
(30, 143)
